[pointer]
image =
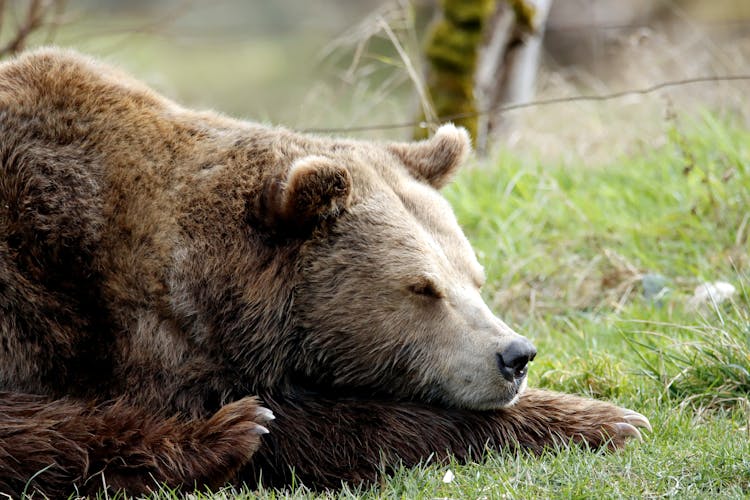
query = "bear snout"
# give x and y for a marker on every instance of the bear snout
(513, 361)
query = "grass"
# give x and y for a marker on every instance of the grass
(567, 249)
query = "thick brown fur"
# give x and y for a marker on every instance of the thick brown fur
(64, 446)
(160, 267)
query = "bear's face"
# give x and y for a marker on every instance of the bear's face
(389, 294)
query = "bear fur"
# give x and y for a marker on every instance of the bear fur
(167, 275)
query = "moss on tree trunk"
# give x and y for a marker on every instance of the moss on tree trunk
(452, 52)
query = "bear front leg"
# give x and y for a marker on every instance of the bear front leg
(63, 447)
(140, 454)
(543, 418)
(328, 442)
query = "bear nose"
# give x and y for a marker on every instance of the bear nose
(514, 359)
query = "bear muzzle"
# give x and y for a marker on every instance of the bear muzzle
(513, 361)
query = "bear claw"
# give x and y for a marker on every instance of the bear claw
(632, 421)
(637, 420)
(264, 414)
(260, 430)
(628, 430)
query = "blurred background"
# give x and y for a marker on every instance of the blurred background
(346, 64)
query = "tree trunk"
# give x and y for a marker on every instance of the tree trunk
(452, 52)
(482, 54)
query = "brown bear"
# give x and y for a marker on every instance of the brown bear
(165, 272)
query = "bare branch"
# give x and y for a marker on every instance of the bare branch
(34, 20)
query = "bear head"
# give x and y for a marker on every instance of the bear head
(387, 296)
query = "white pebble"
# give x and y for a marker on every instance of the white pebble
(710, 293)
(448, 477)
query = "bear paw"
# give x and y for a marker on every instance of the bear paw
(239, 420)
(616, 425)
(226, 441)
(541, 418)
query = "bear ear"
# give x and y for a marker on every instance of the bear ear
(436, 159)
(315, 188)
